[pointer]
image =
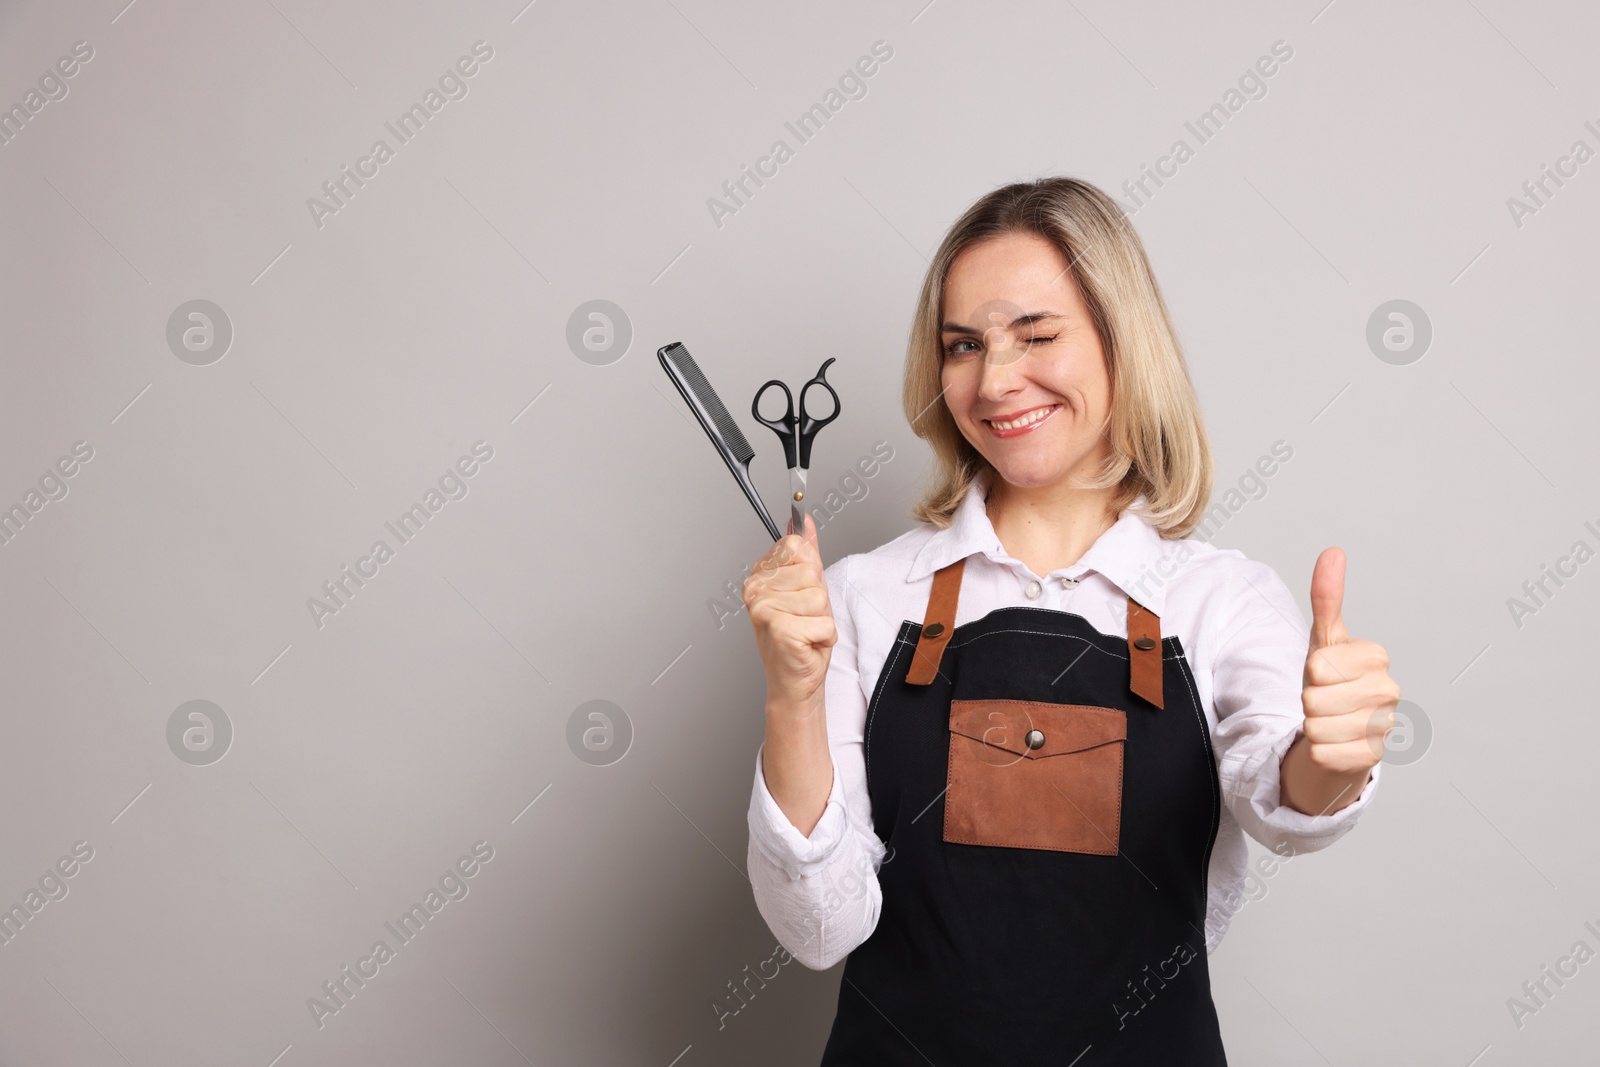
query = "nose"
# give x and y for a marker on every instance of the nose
(1000, 373)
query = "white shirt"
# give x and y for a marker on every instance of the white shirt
(1242, 631)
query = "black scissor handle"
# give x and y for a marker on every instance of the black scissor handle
(784, 425)
(808, 425)
(796, 434)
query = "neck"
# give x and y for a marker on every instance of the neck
(1048, 527)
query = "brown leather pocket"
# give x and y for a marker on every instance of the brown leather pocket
(1064, 795)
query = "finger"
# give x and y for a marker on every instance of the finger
(784, 551)
(1367, 691)
(812, 600)
(1327, 599)
(1383, 721)
(817, 631)
(1323, 668)
(805, 629)
(806, 574)
(811, 532)
(1356, 726)
(799, 551)
(1345, 662)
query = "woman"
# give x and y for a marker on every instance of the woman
(1011, 756)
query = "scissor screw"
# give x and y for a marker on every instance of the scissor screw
(799, 496)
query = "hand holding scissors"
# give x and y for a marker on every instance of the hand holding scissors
(797, 435)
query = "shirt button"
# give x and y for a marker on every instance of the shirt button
(1033, 590)
(1069, 583)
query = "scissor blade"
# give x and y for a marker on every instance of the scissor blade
(797, 494)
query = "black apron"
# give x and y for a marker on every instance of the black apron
(1093, 954)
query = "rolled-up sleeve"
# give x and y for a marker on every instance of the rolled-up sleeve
(781, 842)
(819, 893)
(1256, 683)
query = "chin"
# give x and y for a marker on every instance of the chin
(1028, 476)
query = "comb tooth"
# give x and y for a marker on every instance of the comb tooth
(713, 404)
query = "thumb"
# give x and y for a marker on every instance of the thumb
(1327, 599)
(811, 532)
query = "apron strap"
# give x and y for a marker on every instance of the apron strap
(1144, 652)
(1144, 637)
(937, 625)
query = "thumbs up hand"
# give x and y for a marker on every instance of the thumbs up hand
(1348, 699)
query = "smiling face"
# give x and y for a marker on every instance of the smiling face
(1024, 372)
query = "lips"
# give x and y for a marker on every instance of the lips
(1021, 422)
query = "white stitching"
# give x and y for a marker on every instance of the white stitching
(1069, 637)
(884, 677)
(1216, 796)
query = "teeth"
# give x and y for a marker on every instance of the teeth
(1025, 420)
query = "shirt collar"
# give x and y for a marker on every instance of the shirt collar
(1125, 554)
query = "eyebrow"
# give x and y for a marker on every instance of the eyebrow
(1024, 320)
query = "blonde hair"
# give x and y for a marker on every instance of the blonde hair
(1157, 436)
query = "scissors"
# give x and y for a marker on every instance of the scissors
(797, 435)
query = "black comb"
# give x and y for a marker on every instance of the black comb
(713, 415)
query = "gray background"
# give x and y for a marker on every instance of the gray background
(432, 310)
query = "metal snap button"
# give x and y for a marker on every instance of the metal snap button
(1033, 590)
(1144, 644)
(933, 629)
(1035, 739)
